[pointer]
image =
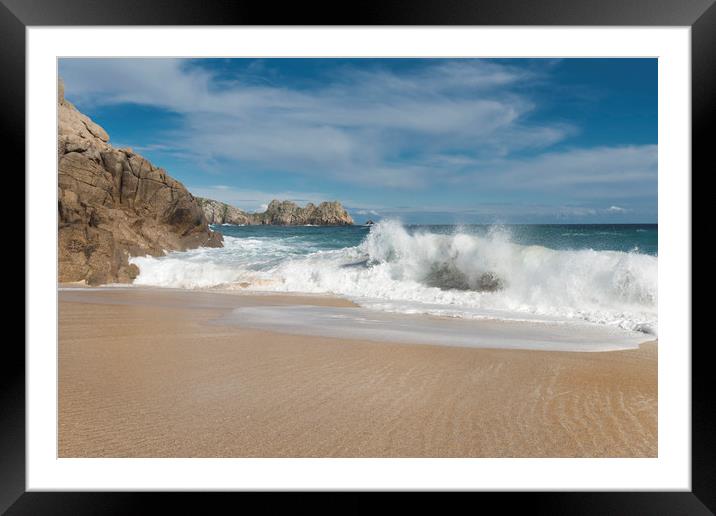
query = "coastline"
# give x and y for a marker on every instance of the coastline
(146, 372)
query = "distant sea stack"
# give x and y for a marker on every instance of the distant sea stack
(114, 204)
(221, 213)
(279, 213)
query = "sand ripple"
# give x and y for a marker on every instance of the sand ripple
(145, 378)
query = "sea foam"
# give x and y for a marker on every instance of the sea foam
(458, 275)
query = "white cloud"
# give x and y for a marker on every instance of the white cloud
(448, 127)
(617, 172)
(358, 127)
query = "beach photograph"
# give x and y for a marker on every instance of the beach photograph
(357, 257)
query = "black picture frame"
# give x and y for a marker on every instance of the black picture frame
(700, 15)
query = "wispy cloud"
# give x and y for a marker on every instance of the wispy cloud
(367, 212)
(445, 127)
(623, 171)
(358, 127)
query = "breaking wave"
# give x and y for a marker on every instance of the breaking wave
(459, 274)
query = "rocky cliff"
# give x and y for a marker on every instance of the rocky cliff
(280, 213)
(221, 213)
(114, 204)
(287, 213)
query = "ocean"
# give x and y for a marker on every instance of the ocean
(602, 274)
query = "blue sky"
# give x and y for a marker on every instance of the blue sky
(424, 140)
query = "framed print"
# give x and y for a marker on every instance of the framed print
(445, 248)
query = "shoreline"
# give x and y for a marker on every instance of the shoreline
(144, 373)
(412, 328)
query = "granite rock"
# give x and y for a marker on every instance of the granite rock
(114, 204)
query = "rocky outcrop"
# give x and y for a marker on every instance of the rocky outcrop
(221, 213)
(279, 213)
(287, 213)
(114, 204)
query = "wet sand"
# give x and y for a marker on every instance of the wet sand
(148, 373)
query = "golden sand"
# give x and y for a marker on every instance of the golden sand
(145, 373)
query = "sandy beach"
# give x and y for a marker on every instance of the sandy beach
(149, 373)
